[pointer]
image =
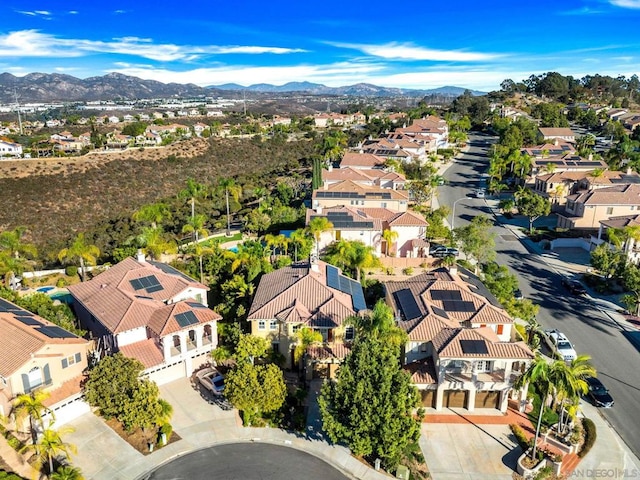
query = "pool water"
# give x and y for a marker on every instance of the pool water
(64, 297)
(233, 249)
(45, 289)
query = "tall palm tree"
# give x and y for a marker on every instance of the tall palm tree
(317, 226)
(80, 251)
(51, 445)
(67, 472)
(569, 378)
(298, 239)
(539, 373)
(380, 322)
(389, 236)
(230, 188)
(306, 337)
(196, 226)
(155, 242)
(32, 405)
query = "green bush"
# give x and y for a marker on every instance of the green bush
(521, 438)
(589, 436)
(544, 472)
(407, 271)
(9, 476)
(71, 270)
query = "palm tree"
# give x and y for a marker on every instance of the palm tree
(155, 243)
(317, 226)
(569, 379)
(80, 251)
(380, 322)
(230, 188)
(165, 412)
(306, 337)
(196, 225)
(67, 472)
(15, 255)
(539, 373)
(362, 256)
(298, 238)
(51, 445)
(32, 405)
(389, 236)
(153, 213)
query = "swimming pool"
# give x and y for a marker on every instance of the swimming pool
(64, 297)
(45, 289)
(233, 249)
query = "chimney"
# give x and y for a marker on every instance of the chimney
(590, 158)
(628, 170)
(140, 256)
(453, 269)
(319, 209)
(330, 167)
(313, 263)
(556, 141)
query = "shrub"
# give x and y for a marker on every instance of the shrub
(407, 271)
(521, 438)
(544, 472)
(71, 270)
(61, 283)
(589, 436)
(167, 429)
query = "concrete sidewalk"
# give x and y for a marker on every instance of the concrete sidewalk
(102, 454)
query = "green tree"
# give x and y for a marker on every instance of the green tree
(317, 226)
(31, 405)
(67, 472)
(80, 251)
(15, 254)
(51, 445)
(607, 260)
(476, 239)
(371, 406)
(255, 389)
(305, 338)
(532, 206)
(153, 214)
(155, 242)
(257, 221)
(134, 129)
(351, 255)
(389, 237)
(301, 244)
(569, 380)
(250, 347)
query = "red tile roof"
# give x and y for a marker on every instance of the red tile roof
(146, 351)
(353, 159)
(327, 352)
(422, 372)
(448, 345)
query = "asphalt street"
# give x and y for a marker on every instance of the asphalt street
(590, 324)
(244, 461)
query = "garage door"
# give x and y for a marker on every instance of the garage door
(455, 398)
(428, 398)
(487, 399)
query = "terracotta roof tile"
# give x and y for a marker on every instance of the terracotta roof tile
(422, 371)
(146, 351)
(412, 219)
(448, 345)
(353, 159)
(71, 387)
(326, 352)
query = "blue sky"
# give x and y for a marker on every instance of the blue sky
(409, 45)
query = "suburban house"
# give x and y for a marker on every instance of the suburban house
(587, 209)
(431, 128)
(632, 121)
(556, 186)
(368, 224)
(149, 311)
(37, 354)
(383, 178)
(314, 295)
(350, 193)
(630, 246)
(10, 149)
(361, 161)
(384, 148)
(551, 133)
(460, 350)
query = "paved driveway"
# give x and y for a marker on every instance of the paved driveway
(469, 452)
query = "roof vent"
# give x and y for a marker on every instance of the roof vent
(104, 285)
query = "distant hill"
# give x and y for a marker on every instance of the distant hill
(359, 89)
(56, 87)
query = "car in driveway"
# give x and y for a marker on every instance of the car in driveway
(211, 379)
(560, 345)
(440, 251)
(598, 393)
(574, 286)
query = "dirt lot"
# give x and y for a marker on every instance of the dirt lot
(67, 165)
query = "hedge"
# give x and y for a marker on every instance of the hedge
(589, 436)
(521, 438)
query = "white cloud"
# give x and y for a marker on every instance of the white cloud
(407, 51)
(33, 43)
(32, 14)
(626, 3)
(36, 13)
(42, 12)
(73, 12)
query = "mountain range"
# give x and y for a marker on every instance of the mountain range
(56, 87)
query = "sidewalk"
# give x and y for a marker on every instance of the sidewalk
(103, 455)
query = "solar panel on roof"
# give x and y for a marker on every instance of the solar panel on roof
(408, 304)
(185, 319)
(195, 305)
(446, 295)
(150, 283)
(6, 306)
(346, 285)
(155, 288)
(28, 320)
(135, 284)
(333, 277)
(440, 312)
(458, 306)
(55, 332)
(474, 346)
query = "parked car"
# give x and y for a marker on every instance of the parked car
(518, 295)
(574, 286)
(211, 379)
(598, 393)
(560, 345)
(441, 251)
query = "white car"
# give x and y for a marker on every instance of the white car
(560, 344)
(211, 379)
(479, 193)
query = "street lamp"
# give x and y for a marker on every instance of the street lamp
(453, 211)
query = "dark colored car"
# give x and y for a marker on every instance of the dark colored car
(598, 393)
(518, 295)
(574, 286)
(442, 251)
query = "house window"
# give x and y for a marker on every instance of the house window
(273, 325)
(35, 378)
(483, 366)
(71, 360)
(499, 329)
(262, 325)
(275, 346)
(296, 328)
(458, 364)
(349, 333)
(609, 210)
(383, 204)
(423, 347)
